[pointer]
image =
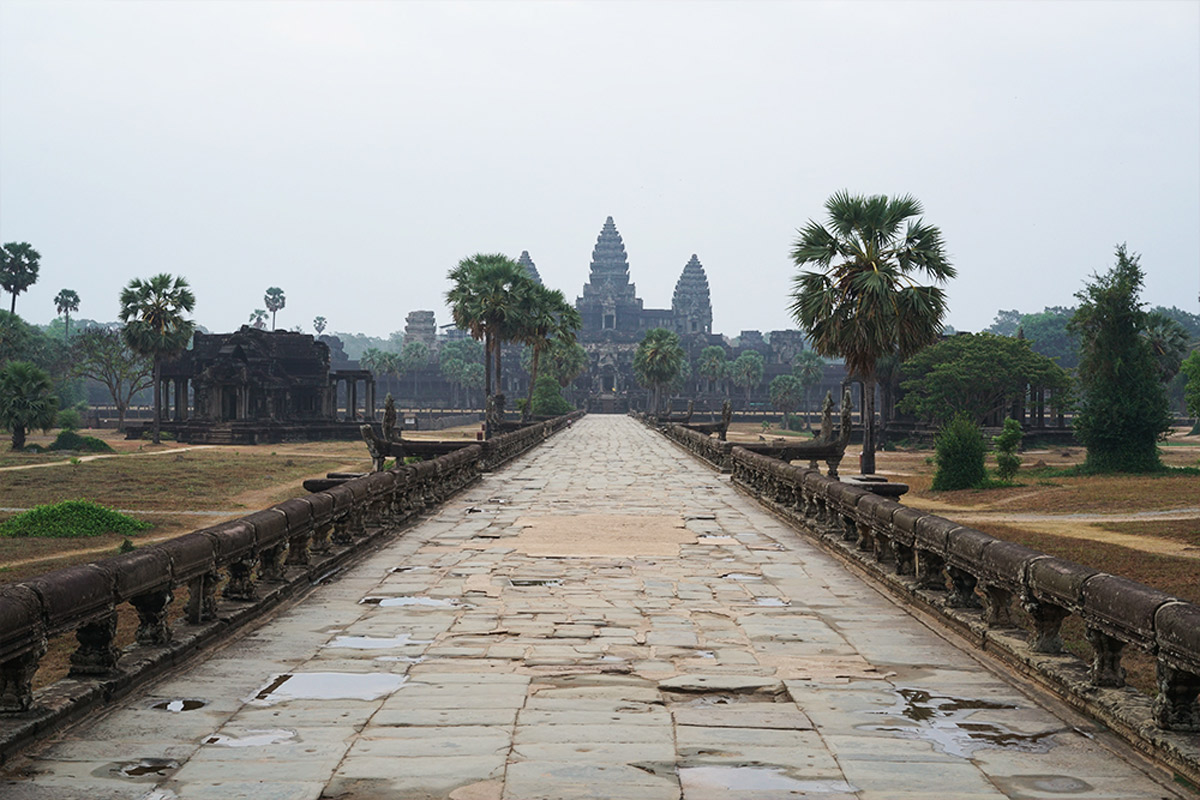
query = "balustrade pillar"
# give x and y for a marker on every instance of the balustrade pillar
(16, 678)
(97, 654)
(241, 585)
(1175, 707)
(1047, 625)
(153, 627)
(1105, 669)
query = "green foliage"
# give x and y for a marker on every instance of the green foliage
(155, 327)
(69, 419)
(274, 300)
(71, 519)
(1050, 335)
(65, 302)
(862, 302)
(565, 361)
(747, 371)
(26, 400)
(103, 355)
(959, 456)
(658, 361)
(70, 440)
(1123, 411)
(1191, 390)
(1168, 341)
(786, 394)
(976, 374)
(713, 364)
(163, 436)
(1006, 444)
(19, 264)
(547, 398)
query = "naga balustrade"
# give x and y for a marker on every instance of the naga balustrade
(976, 582)
(255, 561)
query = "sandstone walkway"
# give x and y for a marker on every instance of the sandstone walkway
(605, 618)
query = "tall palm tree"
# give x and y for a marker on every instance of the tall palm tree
(546, 317)
(809, 369)
(19, 264)
(486, 301)
(747, 371)
(658, 361)
(65, 302)
(275, 301)
(862, 301)
(152, 311)
(714, 364)
(1168, 342)
(258, 318)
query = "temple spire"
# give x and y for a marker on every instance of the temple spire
(691, 304)
(531, 268)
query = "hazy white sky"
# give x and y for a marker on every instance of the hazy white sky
(352, 152)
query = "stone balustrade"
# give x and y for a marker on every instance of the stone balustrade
(1004, 597)
(231, 572)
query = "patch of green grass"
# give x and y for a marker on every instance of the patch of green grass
(71, 519)
(70, 440)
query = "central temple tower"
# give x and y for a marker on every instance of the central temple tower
(609, 301)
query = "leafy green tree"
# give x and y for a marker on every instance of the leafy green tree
(1168, 341)
(155, 327)
(809, 369)
(1191, 390)
(657, 363)
(566, 361)
(977, 374)
(319, 324)
(713, 365)
(413, 359)
(959, 455)
(862, 302)
(547, 398)
(546, 316)
(1006, 323)
(65, 302)
(486, 300)
(103, 355)
(19, 264)
(786, 395)
(275, 301)
(1123, 411)
(1006, 444)
(258, 318)
(747, 371)
(1050, 335)
(26, 400)
(455, 360)
(472, 381)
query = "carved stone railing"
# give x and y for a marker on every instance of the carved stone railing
(975, 582)
(256, 561)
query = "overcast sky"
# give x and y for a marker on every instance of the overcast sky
(352, 152)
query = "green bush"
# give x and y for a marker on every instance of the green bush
(547, 398)
(69, 419)
(163, 436)
(959, 456)
(70, 440)
(1006, 444)
(71, 519)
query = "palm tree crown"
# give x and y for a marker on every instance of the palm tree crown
(65, 302)
(19, 264)
(155, 327)
(486, 301)
(862, 302)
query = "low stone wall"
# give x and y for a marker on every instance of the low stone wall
(971, 580)
(256, 562)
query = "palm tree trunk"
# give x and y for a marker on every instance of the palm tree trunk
(868, 449)
(157, 399)
(528, 415)
(487, 365)
(499, 382)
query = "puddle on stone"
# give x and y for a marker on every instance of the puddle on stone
(327, 686)
(376, 642)
(771, 602)
(610, 658)
(408, 569)
(721, 699)
(741, 576)
(535, 581)
(176, 706)
(705, 654)
(147, 766)
(756, 779)
(409, 600)
(1050, 784)
(943, 721)
(253, 738)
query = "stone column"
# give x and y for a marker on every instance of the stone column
(352, 399)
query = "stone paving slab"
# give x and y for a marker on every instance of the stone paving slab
(604, 618)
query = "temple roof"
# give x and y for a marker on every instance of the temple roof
(692, 297)
(608, 278)
(527, 262)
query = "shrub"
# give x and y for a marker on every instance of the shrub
(1006, 444)
(71, 519)
(164, 436)
(959, 456)
(547, 398)
(70, 440)
(69, 419)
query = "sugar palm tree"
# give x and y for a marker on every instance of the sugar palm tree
(657, 363)
(19, 264)
(65, 302)
(747, 371)
(1168, 342)
(26, 400)
(258, 318)
(155, 327)
(275, 301)
(809, 369)
(786, 394)
(486, 301)
(714, 364)
(546, 317)
(862, 301)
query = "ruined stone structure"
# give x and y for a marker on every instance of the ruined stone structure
(527, 262)
(255, 385)
(691, 304)
(420, 326)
